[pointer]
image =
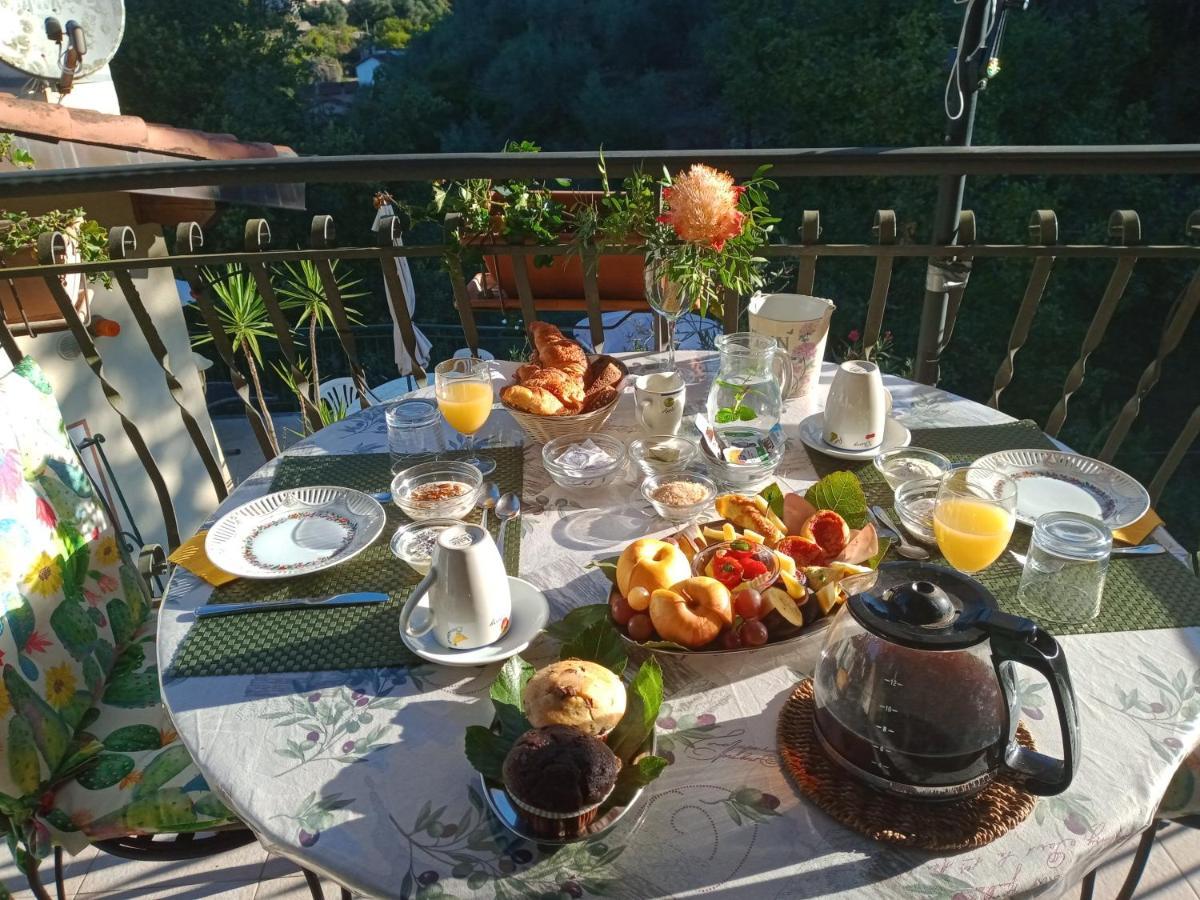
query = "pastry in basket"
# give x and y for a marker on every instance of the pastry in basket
(567, 389)
(557, 352)
(536, 400)
(753, 513)
(596, 397)
(602, 373)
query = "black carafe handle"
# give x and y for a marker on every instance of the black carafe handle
(1019, 640)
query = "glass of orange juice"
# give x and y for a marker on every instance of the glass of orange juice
(973, 517)
(464, 395)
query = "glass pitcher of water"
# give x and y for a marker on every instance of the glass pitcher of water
(754, 377)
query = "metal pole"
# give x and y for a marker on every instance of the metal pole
(950, 195)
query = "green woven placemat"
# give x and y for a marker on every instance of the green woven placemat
(341, 637)
(1139, 594)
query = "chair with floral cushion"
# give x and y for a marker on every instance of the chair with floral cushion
(87, 751)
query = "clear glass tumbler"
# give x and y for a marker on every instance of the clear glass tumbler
(1065, 569)
(413, 428)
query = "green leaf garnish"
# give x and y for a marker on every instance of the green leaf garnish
(636, 776)
(578, 619)
(773, 494)
(841, 492)
(486, 751)
(598, 643)
(506, 693)
(607, 566)
(643, 701)
(885, 544)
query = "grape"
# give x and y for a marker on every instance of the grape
(622, 612)
(640, 627)
(730, 639)
(639, 599)
(754, 633)
(748, 603)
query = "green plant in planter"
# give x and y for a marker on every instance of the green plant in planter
(301, 289)
(20, 230)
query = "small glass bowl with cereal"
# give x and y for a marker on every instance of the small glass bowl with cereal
(441, 489)
(679, 496)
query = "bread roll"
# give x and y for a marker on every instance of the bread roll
(532, 400)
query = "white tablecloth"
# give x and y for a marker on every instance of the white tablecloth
(361, 774)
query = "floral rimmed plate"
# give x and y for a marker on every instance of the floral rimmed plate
(294, 532)
(1056, 481)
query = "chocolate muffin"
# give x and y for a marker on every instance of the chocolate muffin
(557, 777)
(584, 695)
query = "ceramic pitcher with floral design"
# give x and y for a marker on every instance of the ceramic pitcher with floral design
(801, 325)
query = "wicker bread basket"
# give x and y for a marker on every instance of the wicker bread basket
(545, 428)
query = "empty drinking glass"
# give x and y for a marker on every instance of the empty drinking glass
(413, 427)
(1065, 569)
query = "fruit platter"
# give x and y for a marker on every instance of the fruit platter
(572, 745)
(770, 571)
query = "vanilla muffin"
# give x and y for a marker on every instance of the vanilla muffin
(574, 692)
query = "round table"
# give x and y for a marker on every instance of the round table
(402, 818)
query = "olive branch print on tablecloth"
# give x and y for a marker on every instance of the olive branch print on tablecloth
(476, 851)
(1176, 705)
(339, 724)
(314, 815)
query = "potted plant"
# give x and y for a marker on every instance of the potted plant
(27, 303)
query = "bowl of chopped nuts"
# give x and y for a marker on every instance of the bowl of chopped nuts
(441, 489)
(679, 496)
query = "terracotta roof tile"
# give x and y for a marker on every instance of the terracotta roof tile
(84, 126)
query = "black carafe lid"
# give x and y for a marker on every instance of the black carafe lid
(923, 606)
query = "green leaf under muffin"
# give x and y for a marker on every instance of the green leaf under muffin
(598, 643)
(486, 751)
(506, 693)
(636, 776)
(842, 492)
(581, 617)
(642, 703)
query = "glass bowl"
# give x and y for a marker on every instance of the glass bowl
(764, 555)
(591, 477)
(908, 463)
(415, 490)
(742, 478)
(662, 453)
(679, 512)
(413, 543)
(915, 500)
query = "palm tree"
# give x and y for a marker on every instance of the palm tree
(243, 316)
(301, 289)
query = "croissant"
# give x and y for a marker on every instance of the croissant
(567, 389)
(752, 513)
(532, 400)
(565, 355)
(526, 371)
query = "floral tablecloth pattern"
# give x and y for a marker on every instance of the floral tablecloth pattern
(361, 774)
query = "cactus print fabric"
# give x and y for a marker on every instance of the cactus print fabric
(78, 677)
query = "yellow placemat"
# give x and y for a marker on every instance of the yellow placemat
(190, 554)
(1139, 530)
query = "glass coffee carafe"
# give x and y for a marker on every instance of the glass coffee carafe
(754, 377)
(914, 692)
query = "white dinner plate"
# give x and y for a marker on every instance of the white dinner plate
(1056, 481)
(530, 612)
(812, 432)
(294, 532)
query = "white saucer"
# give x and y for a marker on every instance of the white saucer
(812, 432)
(530, 612)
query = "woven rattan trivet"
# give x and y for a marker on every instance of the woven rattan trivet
(949, 826)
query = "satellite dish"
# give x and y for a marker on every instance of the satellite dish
(25, 47)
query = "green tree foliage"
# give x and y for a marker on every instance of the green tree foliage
(391, 33)
(330, 40)
(364, 12)
(331, 12)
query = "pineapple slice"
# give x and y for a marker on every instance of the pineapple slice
(794, 587)
(713, 534)
(786, 563)
(730, 533)
(753, 536)
(829, 597)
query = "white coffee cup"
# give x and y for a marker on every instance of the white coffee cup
(857, 408)
(469, 602)
(659, 398)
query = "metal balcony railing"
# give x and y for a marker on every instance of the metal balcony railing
(949, 262)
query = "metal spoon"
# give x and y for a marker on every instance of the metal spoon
(508, 507)
(487, 500)
(907, 549)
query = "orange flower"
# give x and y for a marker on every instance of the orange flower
(702, 206)
(134, 777)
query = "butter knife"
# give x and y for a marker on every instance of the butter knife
(358, 598)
